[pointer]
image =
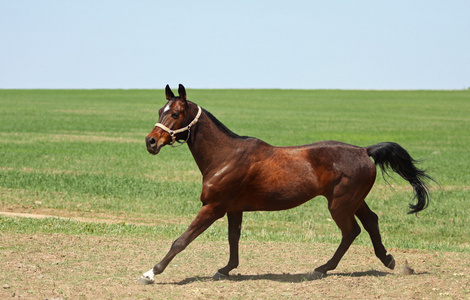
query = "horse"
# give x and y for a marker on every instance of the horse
(242, 174)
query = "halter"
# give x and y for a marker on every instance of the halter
(173, 133)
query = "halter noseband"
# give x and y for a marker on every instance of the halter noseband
(173, 133)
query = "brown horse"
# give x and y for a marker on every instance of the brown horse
(246, 174)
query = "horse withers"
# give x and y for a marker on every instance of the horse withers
(246, 174)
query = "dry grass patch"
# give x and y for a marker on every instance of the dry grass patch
(64, 266)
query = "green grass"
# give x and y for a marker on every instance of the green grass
(83, 152)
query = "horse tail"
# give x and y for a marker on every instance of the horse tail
(391, 155)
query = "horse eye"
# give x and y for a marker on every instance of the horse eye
(175, 115)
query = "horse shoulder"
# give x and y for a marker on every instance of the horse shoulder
(225, 181)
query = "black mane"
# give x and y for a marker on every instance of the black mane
(222, 127)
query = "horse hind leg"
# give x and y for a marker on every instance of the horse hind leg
(370, 221)
(234, 230)
(350, 230)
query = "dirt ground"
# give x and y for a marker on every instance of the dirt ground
(58, 266)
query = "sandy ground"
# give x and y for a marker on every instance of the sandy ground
(59, 266)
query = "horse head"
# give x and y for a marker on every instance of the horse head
(174, 123)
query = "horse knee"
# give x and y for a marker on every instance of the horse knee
(178, 246)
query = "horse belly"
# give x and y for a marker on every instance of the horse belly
(279, 188)
(286, 197)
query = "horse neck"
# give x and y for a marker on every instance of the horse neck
(210, 146)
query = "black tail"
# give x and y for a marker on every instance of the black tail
(392, 155)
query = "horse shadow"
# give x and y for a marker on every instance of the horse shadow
(284, 277)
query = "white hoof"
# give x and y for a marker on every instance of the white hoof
(219, 276)
(147, 278)
(145, 281)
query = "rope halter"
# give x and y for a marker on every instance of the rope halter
(173, 133)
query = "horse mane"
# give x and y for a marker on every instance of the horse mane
(224, 128)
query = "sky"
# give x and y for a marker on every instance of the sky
(328, 44)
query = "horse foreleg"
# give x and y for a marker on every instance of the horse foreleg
(234, 230)
(207, 215)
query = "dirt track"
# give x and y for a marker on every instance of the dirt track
(65, 266)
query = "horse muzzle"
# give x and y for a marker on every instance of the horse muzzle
(153, 146)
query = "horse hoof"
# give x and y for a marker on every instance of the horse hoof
(145, 281)
(316, 275)
(391, 264)
(219, 276)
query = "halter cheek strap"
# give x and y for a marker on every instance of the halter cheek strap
(173, 133)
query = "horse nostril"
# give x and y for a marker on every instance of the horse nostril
(152, 142)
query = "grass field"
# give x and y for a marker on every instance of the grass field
(81, 154)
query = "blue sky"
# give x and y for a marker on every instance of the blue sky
(235, 44)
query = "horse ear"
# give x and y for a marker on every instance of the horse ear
(182, 92)
(169, 94)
